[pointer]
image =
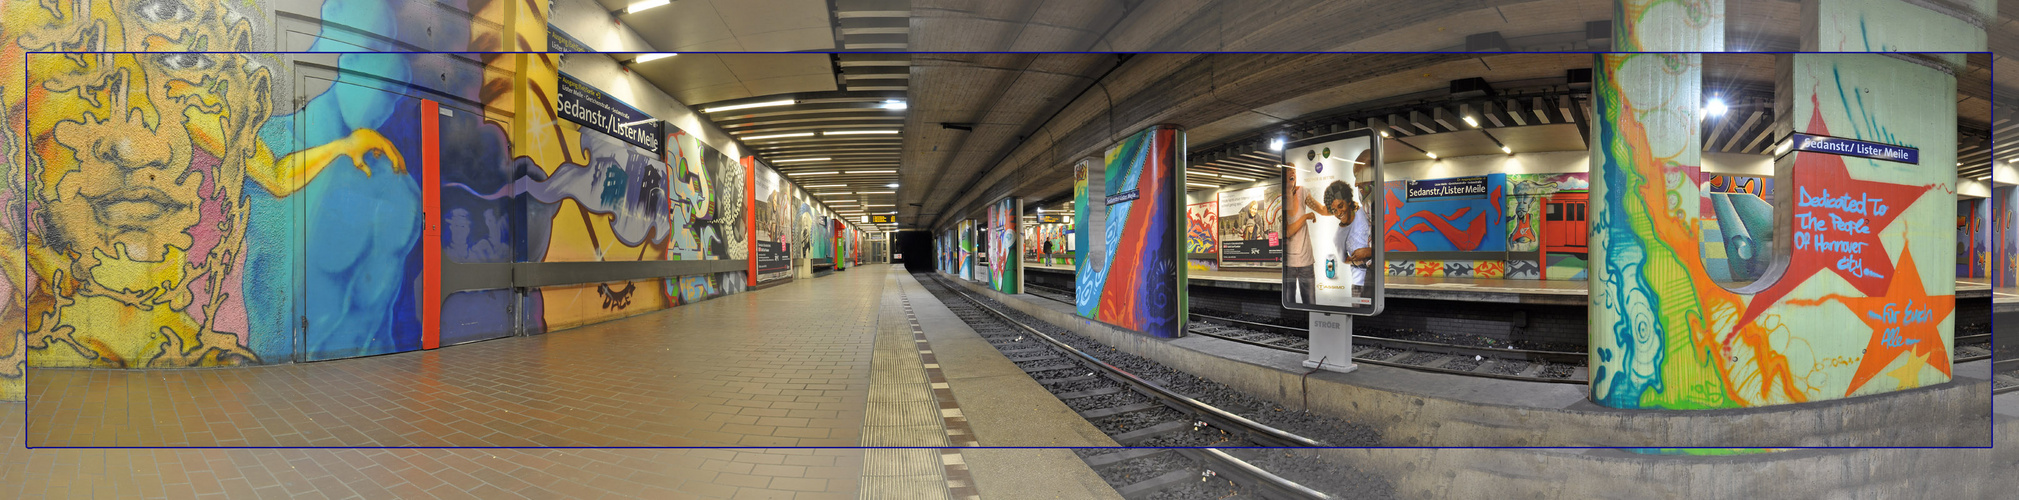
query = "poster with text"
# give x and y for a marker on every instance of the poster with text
(1251, 225)
(773, 222)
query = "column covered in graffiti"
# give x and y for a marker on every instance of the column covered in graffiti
(1862, 304)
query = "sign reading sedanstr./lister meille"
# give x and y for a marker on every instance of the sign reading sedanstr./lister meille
(1854, 147)
(597, 110)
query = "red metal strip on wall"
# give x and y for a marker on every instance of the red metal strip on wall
(750, 215)
(431, 236)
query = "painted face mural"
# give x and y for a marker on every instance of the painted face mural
(1864, 305)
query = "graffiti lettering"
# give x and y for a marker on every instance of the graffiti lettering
(1844, 203)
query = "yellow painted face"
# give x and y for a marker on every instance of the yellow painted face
(127, 141)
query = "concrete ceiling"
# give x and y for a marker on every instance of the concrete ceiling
(732, 25)
(701, 78)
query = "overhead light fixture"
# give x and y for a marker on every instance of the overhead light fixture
(1469, 121)
(891, 185)
(777, 136)
(1716, 107)
(827, 186)
(856, 132)
(647, 4)
(1207, 174)
(876, 192)
(645, 58)
(1505, 149)
(1201, 185)
(833, 194)
(1238, 178)
(1432, 156)
(876, 205)
(894, 104)
(733, 107)
(2012, 160)
(1384, 134)
(811, 173)
(872, 171)
(1276, 144)
(797, 160)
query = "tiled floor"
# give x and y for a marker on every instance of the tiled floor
(489, 474)
(787, 366)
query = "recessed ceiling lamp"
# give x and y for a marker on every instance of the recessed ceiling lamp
(1716, 107)
(872, 171)
(838, 193)
(786, 102)
(810, 173)
(1276, 144)
(856, 132)
(893, 104)
(797, 160)
(827, 186)
(645, 58)
(891, 185)
(876, 192)
(777, 136)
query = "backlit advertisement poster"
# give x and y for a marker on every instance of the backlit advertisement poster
(772, 220)
(1251, 225)
(1332, 259)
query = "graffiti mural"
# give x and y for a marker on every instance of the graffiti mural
(1202, 238)
(2004, 270)
(1005, 271)
(1139, 283)
(1460, 223)
(1526, 195)
(1665, 334)
(1973, 237)
(706, 191)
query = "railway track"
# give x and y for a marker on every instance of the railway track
(1527, 365)
(2004, 376)
(1140, 404)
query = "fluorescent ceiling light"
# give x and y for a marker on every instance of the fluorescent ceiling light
(1384, 134)
(856, 132)
(1242, 179)
(797, 160)
(833, 194)
(811, 173)
(891, 185)
(876, 192)
(1207, 174)
(1276, 144)
(647, 4)
(1504, 149)
(645, 58)
(872, 171)
(787, 102)
(894, 104)
(1471, 122)
(777, 136)
(827, 186)
(873, 205)
(1432, 156)
(1200, 185)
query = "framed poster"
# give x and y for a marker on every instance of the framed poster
(1332, 257)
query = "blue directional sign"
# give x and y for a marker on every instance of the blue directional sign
(1853, 147)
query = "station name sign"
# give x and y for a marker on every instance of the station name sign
(581, 103)
(1444, 188)
(1853, 147)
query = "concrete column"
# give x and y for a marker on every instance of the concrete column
(1859, 299)
(1668, 25)
(1006, 263)
(1090, 242)
(1896, 25)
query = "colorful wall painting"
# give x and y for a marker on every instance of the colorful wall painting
(2004, 271)
(1665, 334)
(1472, 222)
(1005, 270)
(1973, 237)
(1202, 234)
(772, 211)
(965, 257)
(1139, 283)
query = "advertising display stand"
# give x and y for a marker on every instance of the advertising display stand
(1332, 265)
